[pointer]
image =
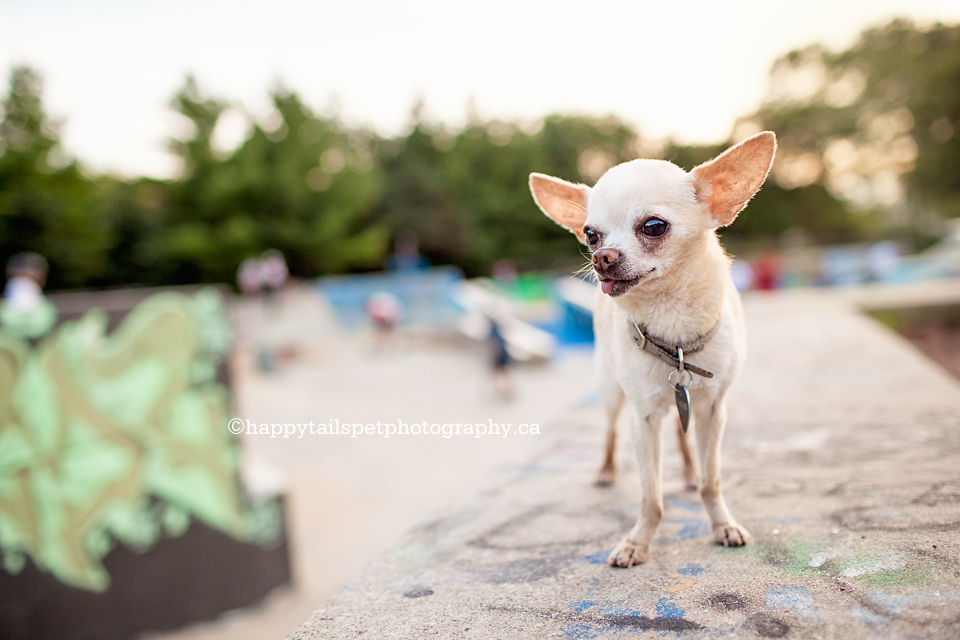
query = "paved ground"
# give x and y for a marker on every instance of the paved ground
(842, 457)
(349, 499)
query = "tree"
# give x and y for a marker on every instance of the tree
(46, 205)
(466, 193)
(304, 187)
(869, 146)
(876, 124)
(776, 208)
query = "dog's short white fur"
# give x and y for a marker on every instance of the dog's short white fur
(650, 228)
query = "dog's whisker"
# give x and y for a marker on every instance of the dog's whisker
(586, 270)
(688, 273)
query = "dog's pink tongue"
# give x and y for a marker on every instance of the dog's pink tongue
(607, 285)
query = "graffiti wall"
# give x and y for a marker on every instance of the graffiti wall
(119, 440)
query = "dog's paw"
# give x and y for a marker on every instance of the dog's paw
(731, 535)
(627, 555)
(606, 476)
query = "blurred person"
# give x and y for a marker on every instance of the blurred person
(26, 277)
(767, 268)
(742, 274)
(249, 280)
(498, 311)
(500, 362)
(505, 278)
(385, 310)
(406, 254)
(504, 272)
(273, 271)
(263, 277)
(25, 311)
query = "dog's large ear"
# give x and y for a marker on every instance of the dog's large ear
(563, 202)
(726, 183)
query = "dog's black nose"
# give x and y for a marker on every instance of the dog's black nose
(605, 257)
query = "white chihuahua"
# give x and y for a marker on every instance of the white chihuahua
(668, 319)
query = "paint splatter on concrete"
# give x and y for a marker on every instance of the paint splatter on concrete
(689, 530)
(687, 506)
(898, 603)
(869, 618)
(691, 570)
(788, 597)
(684, 584)
(797, 600)
(591, 619)
(819, 557)
(727, 602)
(874, 565)
(667, 608)
(767, 626)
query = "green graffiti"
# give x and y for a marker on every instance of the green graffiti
(119, 438)
(912, 575)
(27, 323)
(878, 569)
(790, 556)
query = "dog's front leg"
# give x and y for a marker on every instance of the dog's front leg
(711, 418)
(611, 397)
(635, 548)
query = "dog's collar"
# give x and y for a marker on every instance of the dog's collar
(671, 353)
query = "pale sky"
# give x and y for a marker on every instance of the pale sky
(683, 69)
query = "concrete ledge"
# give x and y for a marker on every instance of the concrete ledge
(842, 457)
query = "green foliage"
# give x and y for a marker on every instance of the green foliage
(467, 197)
(884, 113)
(304, 187)
(811, 208)
(775, 210)
(46, 205)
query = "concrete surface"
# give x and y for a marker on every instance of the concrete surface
(842, 457)
(349, 500)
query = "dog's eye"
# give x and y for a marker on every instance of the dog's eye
(592, 237)
(654, 228)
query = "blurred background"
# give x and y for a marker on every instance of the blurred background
(295, 212)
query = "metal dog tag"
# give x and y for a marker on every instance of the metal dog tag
(683, 406)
